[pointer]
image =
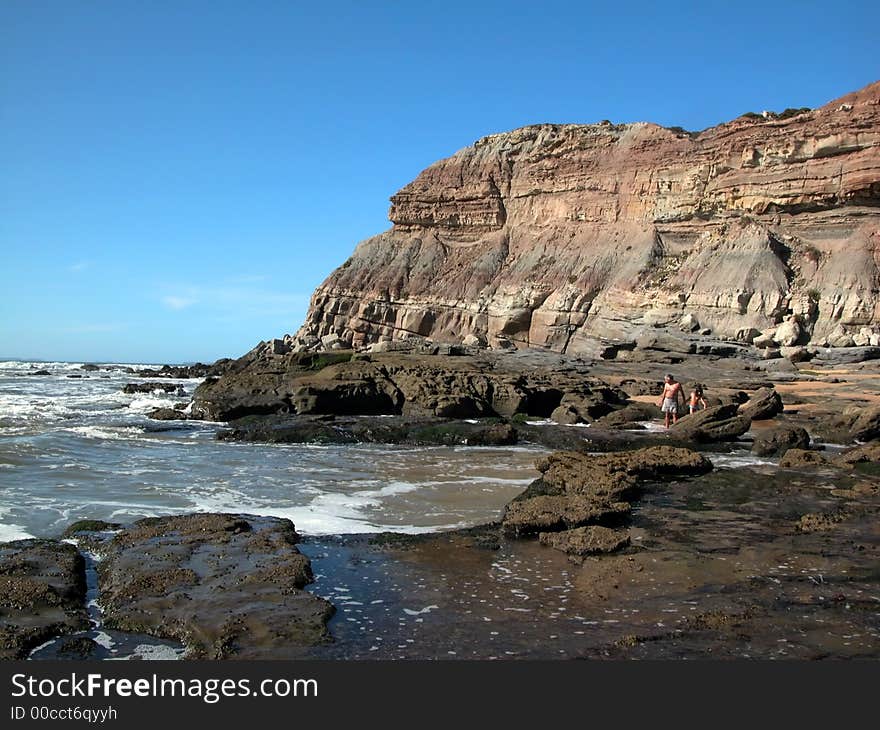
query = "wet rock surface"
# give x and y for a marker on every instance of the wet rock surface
(717, 566)
(778, 440)
(745, 560)
(590, 540)
(470, 385)
(149, 387)
(167, 414)
(365, 429)
(42, 594)
(224, 585)
(799, 458)
(578, 489)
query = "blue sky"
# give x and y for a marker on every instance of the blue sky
(178, 177)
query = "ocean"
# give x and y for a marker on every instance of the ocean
(76, 448)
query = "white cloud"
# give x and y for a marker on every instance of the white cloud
(78, 267)
(177, 302)
(237, 297)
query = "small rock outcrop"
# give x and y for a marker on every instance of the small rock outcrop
(765, 403)
(225, 585)
(42, 594)
(718, 423)
(778, 440)
(577, 489)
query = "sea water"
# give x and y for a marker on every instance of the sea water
(81, 448)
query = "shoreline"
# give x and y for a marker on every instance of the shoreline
(706, 560)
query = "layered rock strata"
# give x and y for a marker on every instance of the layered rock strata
(561, 236)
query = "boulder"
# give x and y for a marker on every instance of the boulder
(763, 342)
(612, 475)
(566, 414)
(796, 458)
(629, 416)
(835, 356)
(718, 423)
(332, 341)
(167, 414)
(747, 335)
(854, 424)
(278, 346)
(776, 441)
(798, 353)
(689, 323)
(764, 403)
(780, 367)
(840, 337)
(866, 424)
(788, 333)
(865, 454)
(473, 340)
(577, 489)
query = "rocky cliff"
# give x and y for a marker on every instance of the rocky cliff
(560, 236)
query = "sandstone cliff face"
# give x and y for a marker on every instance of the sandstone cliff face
(556, 236)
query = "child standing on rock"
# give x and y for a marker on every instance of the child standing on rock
(669, 399)
(697, 400)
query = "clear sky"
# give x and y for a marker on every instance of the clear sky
(178, 176)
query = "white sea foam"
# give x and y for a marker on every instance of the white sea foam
(146, 403)
(105, 640)
(8, 533)
(156, 652)
(651, 426)
(418, 612)
(738, 461)
(18, 366)
(112, 433)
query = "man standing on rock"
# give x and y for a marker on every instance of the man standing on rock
(668, 401)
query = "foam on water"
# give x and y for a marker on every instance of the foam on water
(81, 448)
(10, 531)
(117, 433)
(651, 426)
(739, 461)
(145, 403)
